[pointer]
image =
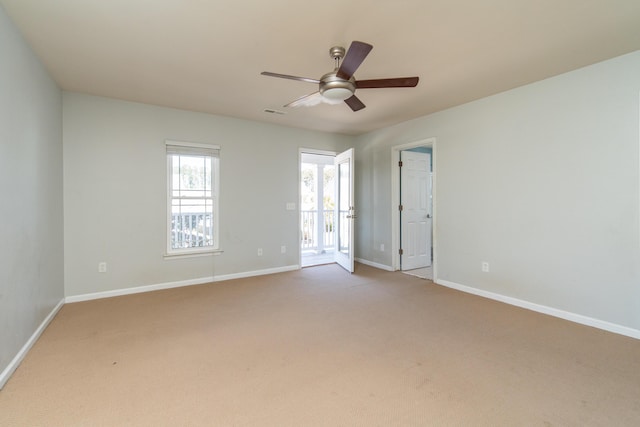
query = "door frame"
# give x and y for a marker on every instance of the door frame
(395, 201)
(298, 207)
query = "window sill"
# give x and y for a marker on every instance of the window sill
(193, 254)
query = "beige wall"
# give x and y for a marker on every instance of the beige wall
(542, 182)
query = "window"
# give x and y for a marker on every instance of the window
(193, 189)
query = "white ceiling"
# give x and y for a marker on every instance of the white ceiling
(207, 55)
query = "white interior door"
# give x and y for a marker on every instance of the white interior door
(415, 216)
(345, 210)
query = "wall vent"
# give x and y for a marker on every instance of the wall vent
(270, 111)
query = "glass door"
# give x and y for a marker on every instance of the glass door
(345, 210)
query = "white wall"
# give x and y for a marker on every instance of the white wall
(31, 252)
(115, 193)
(542, 182)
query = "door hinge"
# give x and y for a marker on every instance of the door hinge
(400, 251)
(400, 163)
(400, 208)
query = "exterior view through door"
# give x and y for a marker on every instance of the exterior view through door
(317, 209)
(326, 209)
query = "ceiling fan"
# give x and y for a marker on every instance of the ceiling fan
(340, 84)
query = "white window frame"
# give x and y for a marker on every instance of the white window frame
(207, 150)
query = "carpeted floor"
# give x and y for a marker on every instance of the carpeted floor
(320, 347)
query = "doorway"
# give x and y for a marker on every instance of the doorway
(317, 208)
(413, 198)
(327, 210)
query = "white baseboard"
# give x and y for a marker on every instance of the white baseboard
(178, 284)
(13, 365)
(256, 273)
(374, 264)
(577, 318)
(137, 289)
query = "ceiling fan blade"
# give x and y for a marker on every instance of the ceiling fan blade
(357, 52)
(286, 76)
(381, 83)
(310, 100)
(354, 103)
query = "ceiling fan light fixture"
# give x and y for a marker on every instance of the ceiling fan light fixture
(337, 94)
(335, 90)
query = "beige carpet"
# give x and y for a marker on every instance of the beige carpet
(320, 347)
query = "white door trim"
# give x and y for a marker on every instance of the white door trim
(395, 201)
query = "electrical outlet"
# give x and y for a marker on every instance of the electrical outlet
(381, 247)
(283, 249)
(259, 251)
(102, 267)
(485, 267)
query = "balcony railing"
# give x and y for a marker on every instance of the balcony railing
(317, 236)
(191, 230)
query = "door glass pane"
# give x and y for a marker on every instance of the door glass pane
(343, 208)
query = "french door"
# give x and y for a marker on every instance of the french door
(345, 210)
